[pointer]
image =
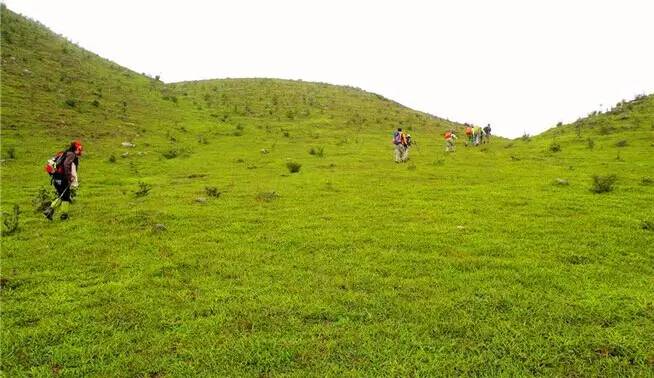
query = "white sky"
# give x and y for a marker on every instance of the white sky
(521, 65)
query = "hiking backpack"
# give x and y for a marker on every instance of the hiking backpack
(397, 138)
(56, 163)
(448, 135)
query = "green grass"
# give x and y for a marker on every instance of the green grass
(470, 263)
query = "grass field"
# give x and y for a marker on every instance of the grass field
(475, 262)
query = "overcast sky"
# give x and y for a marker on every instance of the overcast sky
(520, 65)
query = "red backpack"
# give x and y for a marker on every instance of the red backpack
(56, 163)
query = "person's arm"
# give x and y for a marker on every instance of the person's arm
(68, 166)
(74, 183)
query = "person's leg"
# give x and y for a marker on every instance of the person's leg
(398, 153)
(65, 206)
(405, 157)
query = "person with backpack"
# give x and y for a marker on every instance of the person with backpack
(63, 172)
(400, 142)
(409, 143)
(468, 134)
(477, 135)
(450, 139)
(487, 133)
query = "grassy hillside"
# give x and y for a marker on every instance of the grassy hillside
(470, 263)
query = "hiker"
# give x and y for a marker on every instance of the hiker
(468, 135)
(487, 133)
(400, 142)
(63, 169)
(477, 135)
(409, 143)
(450, 139)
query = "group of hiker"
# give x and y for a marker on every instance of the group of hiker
(63, 167)
(475, 135)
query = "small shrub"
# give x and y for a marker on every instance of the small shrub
(143, 190)
(318, 152)
(267, 196)
(212, 191)
(71, 102)
(646, 181)
(10, 152)
(11, 220)
(171, 154)
(112, 158)
(237, 132)
(526, 137)
(605, 130)
(202, 139)
(95, 103)
(621, 143)
(591, 143)
(293, 167)
(647, 225)
(287, 134)
(555, 147)
(41, 200)
(559, 124)
(603, 184)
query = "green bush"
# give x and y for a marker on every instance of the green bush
(41, 200)
(319, 151)
(143, 190)
(71, 102)
(212, 191)
(11, 221)
(603, 184)
(267, 196)
(293, 167)
(555, 147)
(171, 154)
(10, 152)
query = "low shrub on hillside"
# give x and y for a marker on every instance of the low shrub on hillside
(555, 147)
(647, 225)
(10, 153)
(41, 200)
(591, 143)
(71, 102)
(111, 158)
(318, 152)
(605, 130)
(143, 190)
(212, 191)
(171, 154)
(293, 167)
(267, 196)
(621, 143)
(603, 184)
(646, 181)
(10, 220)
(526, 137)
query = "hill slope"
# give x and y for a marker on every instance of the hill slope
(470, 263)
